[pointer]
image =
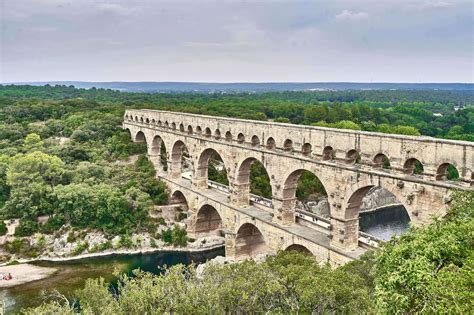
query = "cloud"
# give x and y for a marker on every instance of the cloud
(347, 15)
(114, 8)
(435, 4)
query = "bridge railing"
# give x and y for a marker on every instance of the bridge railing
(218, 186)
(369, 239)
(313, 218)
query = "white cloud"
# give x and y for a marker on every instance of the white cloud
(435, 4)
(114, 8)
(347, 15)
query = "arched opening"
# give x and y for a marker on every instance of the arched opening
(160, 124)
(328, 154)
(140, 137)
(217, 134)
(181, 163)
(271, 143)
(288, 145)
(157, 154)
(306, 149)
(299, 249)
(447, 171)
(228, 136)
(198, 130)
(141, 119)
(211, 167)
(153, 122)
(378, 211)
(381, 161)
(249, 242)
(167, 125)
(136, 119)
(190, 129)
(178, 200)
(255, 141)
(181, 127)
(413, 167)
(173, 126)
(147, 120)
(252, 177)
(352, 157)
(240, 138)
(303, 190)
(207, 132)
(208, 221)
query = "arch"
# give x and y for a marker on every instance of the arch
(352, 157)
(217, 134)
(155, 148)
(129, 133)
(141, 119)
(181, 127)
(271, 144)
(413, 166)
(140, 137)
(228, 136)
(167, 125)
(447, 171)
(255, 141)
(126, 116)
(147, 120)
(306, 149)
(381, 161)
(190, 129)
(245, 183)
(157, 154)
(328, 153)
(179, 199)
(299, 249)
(288, 145)
(198, 130)
(249, 242)
(153, 121)
(160, 124)
(136, 118)
(208, 221)
(177, 158)
(240, 138)
(207, 132)
(173, 126)
(202, 171)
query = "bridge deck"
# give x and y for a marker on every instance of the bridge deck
(304, 232)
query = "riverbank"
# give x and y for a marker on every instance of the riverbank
(24, 273)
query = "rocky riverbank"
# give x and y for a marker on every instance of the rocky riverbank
(24, 273)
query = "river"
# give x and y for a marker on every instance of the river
(385, 222)
(72, 275)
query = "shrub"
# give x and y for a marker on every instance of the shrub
(126, 241)
(26, 227)
(3, 228)
(80, 248)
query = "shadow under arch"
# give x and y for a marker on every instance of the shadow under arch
(157, 153)
(208, 221)
(140, 137)
(249, 242)
(299, 249)
(179, 199)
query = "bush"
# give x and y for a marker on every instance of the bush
(126, 241)
(3, 228)
(80, 248)
(53, 224)
(26, 227)
(179, 236)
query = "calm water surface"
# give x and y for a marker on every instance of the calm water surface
(73, 274)
(385, 222)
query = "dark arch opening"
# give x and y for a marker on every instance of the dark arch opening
(207, 132)
(147, 120)
(153, 122)
(208, 221)
(306, 149)
(167, 125)
(299, 249)
(141, 119)
(304, 190)
(179, 200)
(228, 136)
(379, 212)
(181, 127)
(447, 171)
(413, 167)
(271, 144)
(140, 137)
(249, 242)
(136, 118)
(240, 138)
(190, 129)
(217, 134)
(198, 130)
(173, 126)
(381, 161)
(160, 123)
(328, 154)
(157, 154)
(288, 145)
(255, 141)
(352, 157)
(211, 167)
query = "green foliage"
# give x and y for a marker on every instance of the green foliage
(179, 236)
(126, 241)
(26, 227)
(80, 248)
(3, 228)
(309, 184)
(260, 181)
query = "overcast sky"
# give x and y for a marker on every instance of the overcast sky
(237, 41)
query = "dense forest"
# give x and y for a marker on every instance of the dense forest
(64, 155)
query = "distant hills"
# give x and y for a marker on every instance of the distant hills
(190, 87)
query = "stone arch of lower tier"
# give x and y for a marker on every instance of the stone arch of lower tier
(208, 221)
(249, 241)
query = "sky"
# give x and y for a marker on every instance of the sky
(237, 41)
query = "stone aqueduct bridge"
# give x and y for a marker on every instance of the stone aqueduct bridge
(348, 163)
